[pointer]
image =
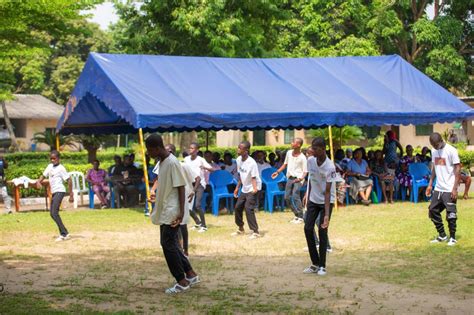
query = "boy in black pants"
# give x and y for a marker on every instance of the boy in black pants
(321, 195)
(57, 174)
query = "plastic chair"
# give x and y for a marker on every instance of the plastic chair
(273, 190)
(219, 180)
(78, 186)
(91, 196)
(419, 173)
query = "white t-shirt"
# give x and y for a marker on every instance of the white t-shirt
(319, 176)
(195, 166)
(232, 169)
(443, 161)
(188, 189)
(247, 170)
(262, 167)
(167, 198)
(296, 166)
(56, 175)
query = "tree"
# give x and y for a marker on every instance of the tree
(92, 144)
(340, 135)
(48, 137)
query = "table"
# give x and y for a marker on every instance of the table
(16, 193)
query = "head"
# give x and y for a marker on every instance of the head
(297, 143)
(95, 164)
(171, 148)
(272, 157)
(378, 155)
(216, 157)
(208, 156)
(357, 154)
(436, 140)
(370, 155)
(193, 149)
(349, 153)
(260, 157)
(54, 157)
(228, 158)
(184, 154)
(155, 147)
(309, 152)
(243, 149)
(364, 153)
(318, 145)
(339, 155)
(117, 160)
(132, 157)
(391, 135)
(425, 151)
(127, 160)
(409, 150)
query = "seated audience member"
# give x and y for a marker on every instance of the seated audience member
(424, 157)
(370, 156)
(360, 181)
(117, 168)
(271, 159)
(379, 168)
(409, 157)
(127, 186)
(261, 163)
(465, 178)
(230, 165)
(132, 158)
(280, 159)
(96, 177)
(403, 176)
(364, 154)
(216, 158)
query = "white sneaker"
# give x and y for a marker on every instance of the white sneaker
(298, 221)
(439, 239)
(254, 236)
(311, 269)
(177, 288)
(61, 238)
(293, 220)
(202, 229)
(237, 233)
(452, 241)
(196, 227)
(329, 249)
(322, 271)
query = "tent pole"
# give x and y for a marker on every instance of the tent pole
(331, 149)
(57, 141)
(145, 169)
(207, 140)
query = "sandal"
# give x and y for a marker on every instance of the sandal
(193, 281)
(177, 288)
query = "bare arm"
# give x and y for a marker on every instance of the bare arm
(69, 185)
(327, 205)
(430, 184)
(182, 199)
(281, 169)
(236, 191)
(457, 177)
(254, 185)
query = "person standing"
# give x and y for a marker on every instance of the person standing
(198, 165)
(322, 195)
(296, 173)
(7, 200)
(446, 169)
(251, 183)
(168, 213)
(57, 174)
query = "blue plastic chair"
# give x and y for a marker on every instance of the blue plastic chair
(219, 180)
(419, 173)
(91, 196)
(272, 188)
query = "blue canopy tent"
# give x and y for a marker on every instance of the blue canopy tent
(130, 93)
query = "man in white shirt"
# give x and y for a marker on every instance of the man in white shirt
(322, 195)
(446, 168)
(249, 179)
(168, 213)
(296, 173)
(198, 165)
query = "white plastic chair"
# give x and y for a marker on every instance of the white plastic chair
(78, 187)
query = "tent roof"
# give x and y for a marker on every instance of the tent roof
(120, 93)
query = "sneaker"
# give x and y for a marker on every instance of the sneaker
(298, 221)
(254, 236)
(237, 233)
(322, 271)
(439, 239)
(147, 214)
(177, 288)
(202, 229)
(103, 206)
(196, 227)
(452, 241)
(311, 269)
(61, 238)
(329, 249)
(193, 281)
(293, 220)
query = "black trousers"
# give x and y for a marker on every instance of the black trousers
(318, 220)
(183, 235)
(198, 208)
(57, 198)
(439, 202)
(315, 210)
(246, 201)
(177, 263)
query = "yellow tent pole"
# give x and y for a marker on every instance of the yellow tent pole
(145, 169)
(331, 149)
(57, 141)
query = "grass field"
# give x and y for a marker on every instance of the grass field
(382, 263)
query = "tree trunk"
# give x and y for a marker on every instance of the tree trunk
(186, 139)
(9, 126)
(91, 153)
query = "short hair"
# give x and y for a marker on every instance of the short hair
(194, 144)
(56, 153)
(435, 137)
(227, 154)
(299, 140)
(96, 160)
(207, 152)
(319, 142)
(117, 157)
(154, 141)
(246, 144)
(171, 147)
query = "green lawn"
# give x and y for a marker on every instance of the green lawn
(382, 263)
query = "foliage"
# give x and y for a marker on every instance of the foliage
(341, 135)
(48, 137)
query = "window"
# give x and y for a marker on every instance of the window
(424, 130)
(289, 135)
(372, 132)
(259, 137)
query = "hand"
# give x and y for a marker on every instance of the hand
(254, 191)
(190, 197)
(274, 175)
(38, 185)
(325, 222)
(152, 197)
(177, 221)
(428, 191)
(454, 194)
(236, 193)
(71, 198)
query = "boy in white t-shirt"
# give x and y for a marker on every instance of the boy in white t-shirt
(249, 179)
(446, 168)
(169, 212)
(57, 174)
(322, 195)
